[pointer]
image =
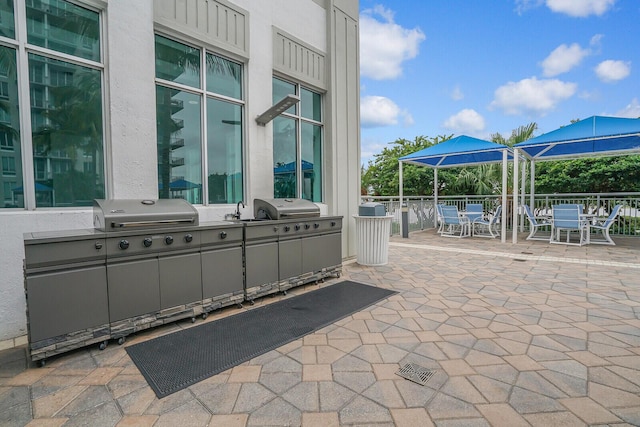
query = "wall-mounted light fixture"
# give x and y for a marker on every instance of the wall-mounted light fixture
(280, 107)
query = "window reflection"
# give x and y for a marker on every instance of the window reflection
(179, 153)
(11, 188)
(66, 111)
(284, 157)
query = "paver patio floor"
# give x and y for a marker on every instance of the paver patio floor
(530, 334)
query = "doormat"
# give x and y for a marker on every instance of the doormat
(175, 361)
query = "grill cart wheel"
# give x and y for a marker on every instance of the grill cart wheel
(121, 340)
(103, 345)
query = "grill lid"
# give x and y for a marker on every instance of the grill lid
(123, 214)
(284, 209)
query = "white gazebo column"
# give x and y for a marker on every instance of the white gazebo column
(523, 184)
(514, 211)
(505, 171)
(400, 192)
(435, 198)
(532, 183)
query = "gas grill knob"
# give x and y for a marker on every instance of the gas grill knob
(333, 223)
(223, 234)
(98, 245)
(297, 227)
(316, 225)
(124, 244)
(168, 240)
(287, 228)
(188, 238)
(148, 241)
(307, 226)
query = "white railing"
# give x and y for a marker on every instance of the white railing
(422, 216)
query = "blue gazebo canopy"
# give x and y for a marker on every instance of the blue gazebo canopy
(460, 151)
(593, 136)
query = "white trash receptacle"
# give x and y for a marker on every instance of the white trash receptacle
(372, 233)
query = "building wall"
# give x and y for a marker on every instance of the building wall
(131, 123)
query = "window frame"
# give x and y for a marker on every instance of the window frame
(299, 119)
(23, 49)
(205, 95)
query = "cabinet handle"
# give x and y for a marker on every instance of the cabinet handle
(98, 245)
(223, 234)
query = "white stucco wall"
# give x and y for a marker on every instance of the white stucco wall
(131, 129)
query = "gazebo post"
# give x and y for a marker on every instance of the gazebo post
(523, 184)
(514, 210)
(435, 197)
(505, 170)
(400, 192)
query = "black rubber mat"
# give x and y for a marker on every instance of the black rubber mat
(175, 361)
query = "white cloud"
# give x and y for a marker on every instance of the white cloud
(581, 8)
(611, 71)
(456, 94)
(369, 148)
(377, 111)
(562, 59)
(532, 96)
(632, 110)
(466, 121)
(385, 45)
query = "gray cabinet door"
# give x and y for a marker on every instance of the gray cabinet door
(290, 258)
(261, 264)
(66, 301)
(221, 272)
(133, 288)
(319, 252)
(180, 280)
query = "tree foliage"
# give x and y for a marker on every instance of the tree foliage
(589, 175)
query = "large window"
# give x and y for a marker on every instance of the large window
(63, 75)
(187, 146)
(297, 144)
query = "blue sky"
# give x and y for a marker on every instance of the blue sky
(479, 67)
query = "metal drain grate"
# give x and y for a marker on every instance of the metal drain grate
(415, 373)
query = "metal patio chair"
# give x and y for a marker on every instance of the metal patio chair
(568, 218)
(604, 225)
(455, 225)
(490, 224)
(536, 223)
(439, 219)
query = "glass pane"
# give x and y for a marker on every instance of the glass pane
(11, 188)
(310, 105)
(224, 77)
(284, 157)
(68, 153)
(311, 162)
(7, 21)
(177, 62)
(282, 89)
(179, 146)
(224, 151)
(64, 27)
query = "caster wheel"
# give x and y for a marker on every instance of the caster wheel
(252, 302)
(121, 340)
(239, 305)
(284, 292)
(103, 345)
(42, 362)
(205, 315)
(193, 320)
(338, 275)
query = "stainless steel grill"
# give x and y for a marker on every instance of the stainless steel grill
(125, 214)
(284, 209)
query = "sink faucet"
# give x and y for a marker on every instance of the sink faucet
(237, 214)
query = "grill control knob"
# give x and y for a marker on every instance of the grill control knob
(223, 234)
(333, 223)
(188, 238)
(148, 241)
(297, 227)
(168, 240)
(98, 245)
(124, 244)
(316, 225)
(307, 226)
(287, 228)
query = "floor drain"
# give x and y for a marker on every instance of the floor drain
(527, 253)
(415, 373)
(519, 259)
